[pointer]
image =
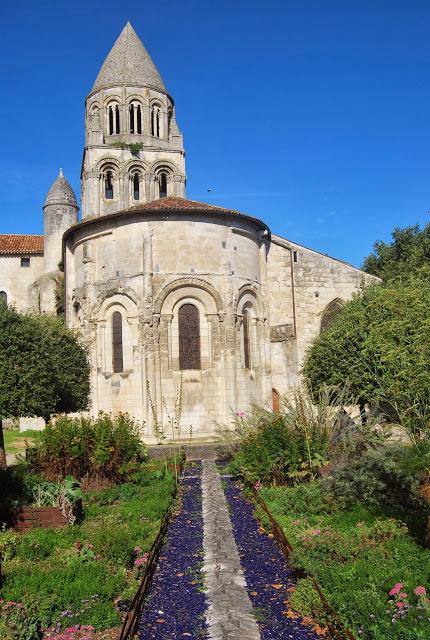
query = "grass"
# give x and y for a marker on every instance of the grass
(15, 441)
(357, 555)
(73, 575)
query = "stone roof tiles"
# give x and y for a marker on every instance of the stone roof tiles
(175, 203)
(128, 62)
(14, 244)
(61, 192)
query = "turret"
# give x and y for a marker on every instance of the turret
(60, 212)
(133, 147)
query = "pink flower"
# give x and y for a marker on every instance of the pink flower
(396, 589)
(403, 595)
(142, 560)
(257, 485)
(400, 605)
(316, 532)
(240, 414)
(420, 591)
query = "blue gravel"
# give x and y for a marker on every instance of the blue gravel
(176, 605)
(264, 565)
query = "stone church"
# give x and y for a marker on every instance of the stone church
(173, 297)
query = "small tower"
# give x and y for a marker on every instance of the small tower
(60, 212)
(134, 150)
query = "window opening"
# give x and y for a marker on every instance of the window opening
(162, 185)
(189, 337)
(108, 185)
(117, 351)
(136, 187)
(246, 340)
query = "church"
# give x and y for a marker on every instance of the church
(179, 302)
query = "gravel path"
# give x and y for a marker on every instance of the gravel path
(177, 604)
(230, 615)
(218, 578)
(267, 574)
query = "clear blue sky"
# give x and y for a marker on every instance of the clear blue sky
(313, 115)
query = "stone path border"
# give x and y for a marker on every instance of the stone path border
(230, 614)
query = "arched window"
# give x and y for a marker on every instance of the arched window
(156, 121)
(135, 114)
(162, 185)
(110, 120)
(3, 297)
(114, 119)
(108, 185)
(117, 351)
(169, 120)
(189, 337)
(246, 339)
(117, 122)
(331, 312)
(136, 186)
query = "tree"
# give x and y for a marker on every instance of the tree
(43, 368)
(380, 344)
(403, 257)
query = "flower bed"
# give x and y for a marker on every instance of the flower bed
(371, 570)
(86, 574)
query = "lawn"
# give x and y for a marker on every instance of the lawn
(358, 555)
(76, 575)
(15, 441)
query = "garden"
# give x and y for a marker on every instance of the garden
(79, 579)
(344, 467)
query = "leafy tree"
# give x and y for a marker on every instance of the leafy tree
(404, 256)
(380, 344)
(43, 368)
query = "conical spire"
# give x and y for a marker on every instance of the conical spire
(61, 192)
(128, 62)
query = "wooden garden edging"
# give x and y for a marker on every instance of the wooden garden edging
(22, 519)
(131, 623)
(337, 629)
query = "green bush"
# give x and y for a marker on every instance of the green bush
(379, 344)
(381, 476)
(291, 446)
(305, 600)
(16, 623)
(83, 447)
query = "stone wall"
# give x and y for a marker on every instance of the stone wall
(302, 283)
(17, 281)
(146, 269)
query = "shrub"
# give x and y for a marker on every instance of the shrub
(306, 601)
(379, 344)
(377, 477)
(291, 447)
(83, 447)
(16, 623)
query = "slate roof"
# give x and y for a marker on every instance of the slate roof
(61, 192)
(128, 62)
(14, 244)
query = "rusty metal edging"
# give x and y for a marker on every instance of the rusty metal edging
(132, 618)
(337, 629)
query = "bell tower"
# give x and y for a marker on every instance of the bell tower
(134, 150)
